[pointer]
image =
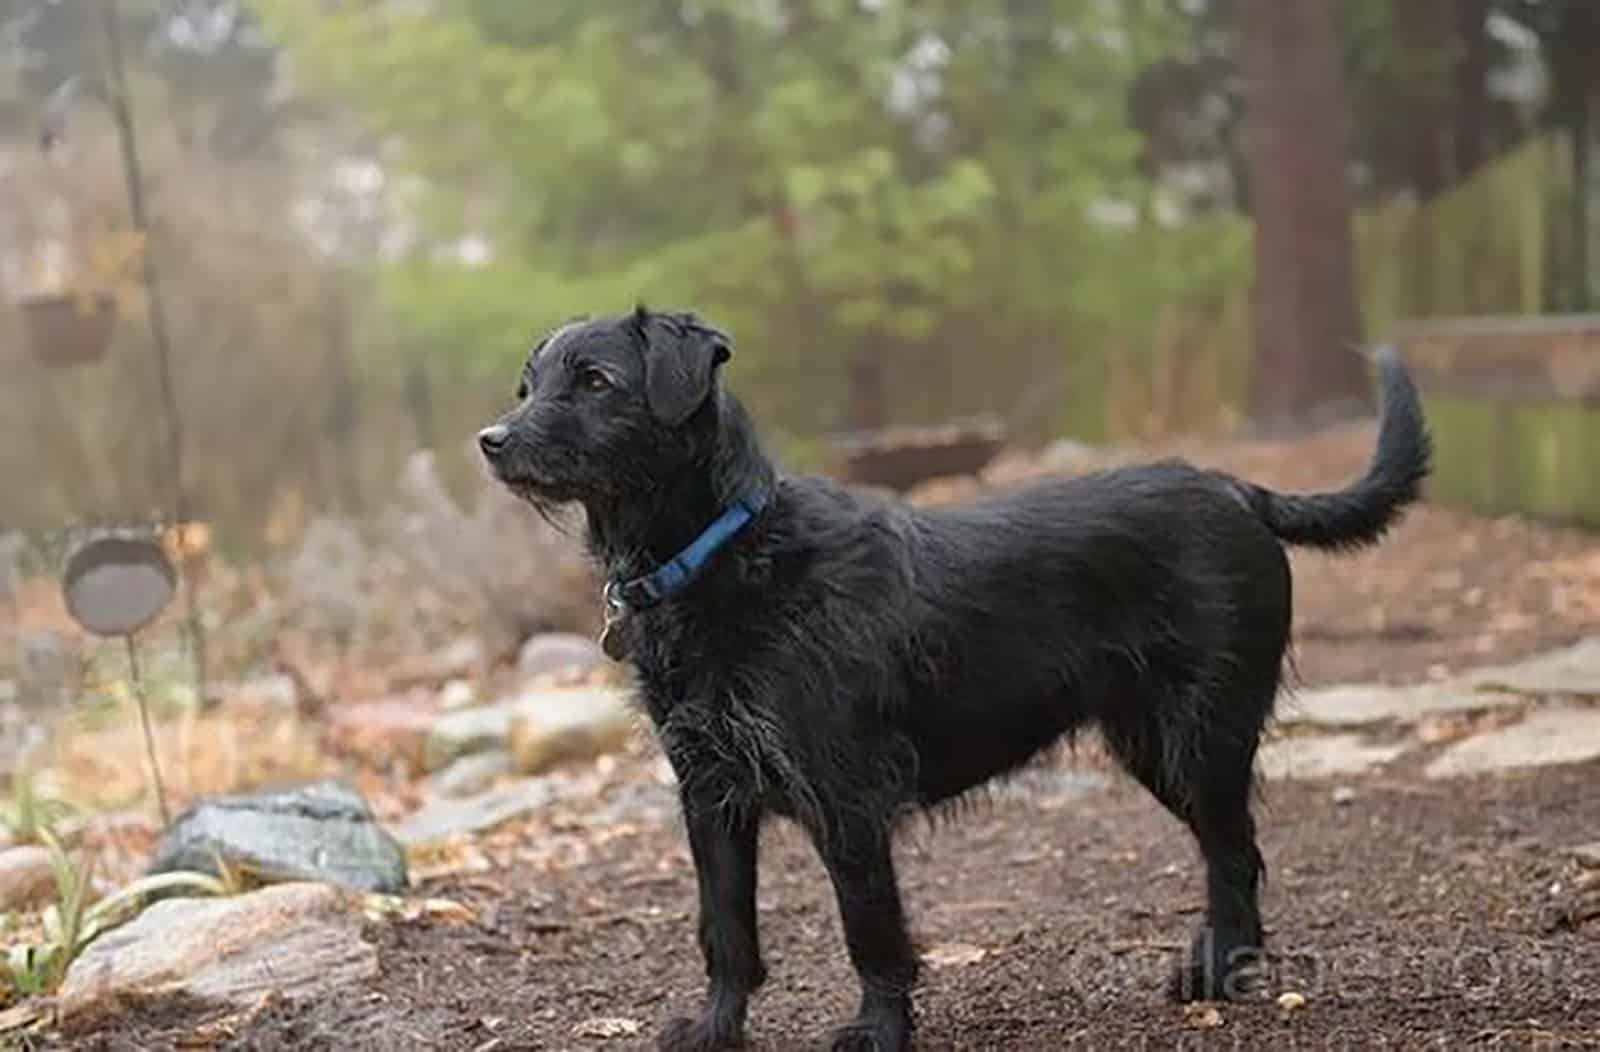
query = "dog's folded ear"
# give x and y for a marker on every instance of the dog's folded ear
(681, 355)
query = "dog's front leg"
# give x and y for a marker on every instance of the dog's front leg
(861, 865)
(723, 842)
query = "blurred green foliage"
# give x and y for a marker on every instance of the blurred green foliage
(828, 178)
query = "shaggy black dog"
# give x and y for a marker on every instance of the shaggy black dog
(843, 660)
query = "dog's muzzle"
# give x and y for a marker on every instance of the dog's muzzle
(493, 440)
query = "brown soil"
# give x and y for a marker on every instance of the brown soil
(1406, 919)
(1416, 915)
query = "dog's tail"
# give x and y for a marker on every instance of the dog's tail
(1360, 514)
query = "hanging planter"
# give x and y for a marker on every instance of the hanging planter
(64, 330)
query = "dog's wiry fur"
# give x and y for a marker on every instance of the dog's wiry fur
(848, 660)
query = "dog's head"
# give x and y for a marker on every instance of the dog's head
(607, 406)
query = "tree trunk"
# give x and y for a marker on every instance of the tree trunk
(1472, 86)
(1297, 128)
(869, 409)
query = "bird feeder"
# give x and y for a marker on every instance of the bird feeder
(66, 330)
(115, 584)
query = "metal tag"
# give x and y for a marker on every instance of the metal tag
(612, 637)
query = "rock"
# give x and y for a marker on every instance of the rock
(457, 694)
(26, 876)
(553, 653)
(472, 774)
(1323, 756)
(552, 727)
(323, 831)
(1358, 705)
(1343, 796)
(444, 819)
(1548, 736)
(292, 940)
(1587, 855)
(1573, 671)
(465, 731)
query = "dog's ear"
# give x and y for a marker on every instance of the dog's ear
(681, 355)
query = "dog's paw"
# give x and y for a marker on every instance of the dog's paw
(1213, 973)
(696, 1035)
(871, 1036)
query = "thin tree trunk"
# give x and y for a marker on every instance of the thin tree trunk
(1297, 129)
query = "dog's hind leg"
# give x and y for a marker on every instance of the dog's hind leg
(1201, 771)
(860, 863)
(723, 842)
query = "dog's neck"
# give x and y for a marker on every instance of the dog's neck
(632, 536)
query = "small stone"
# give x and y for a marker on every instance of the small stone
(457, 694)
(1343, 795)
(1290, 1002)
(472, 774)
(558, 653)
(553, 727)
(324, 831)
(476, 729)
(26, 876)
(290, 940)
(1201, 1016)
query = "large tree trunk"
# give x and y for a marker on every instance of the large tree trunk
(1297, 128)
(1472, 86)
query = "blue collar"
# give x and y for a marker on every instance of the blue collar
(674, 574)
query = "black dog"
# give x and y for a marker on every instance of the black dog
(843, 660)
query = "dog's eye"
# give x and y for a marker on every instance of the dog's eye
(594, 380)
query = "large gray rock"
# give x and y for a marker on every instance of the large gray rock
(292, 940)
(323, 831)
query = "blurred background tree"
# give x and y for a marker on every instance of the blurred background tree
(1054, 211)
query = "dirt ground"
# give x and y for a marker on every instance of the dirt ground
(1410, 914)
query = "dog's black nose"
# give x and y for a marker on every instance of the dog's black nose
(492, 440)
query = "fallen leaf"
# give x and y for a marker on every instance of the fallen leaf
(1290, 1002)
(954, 955)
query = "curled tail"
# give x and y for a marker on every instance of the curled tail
(1360, 514)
